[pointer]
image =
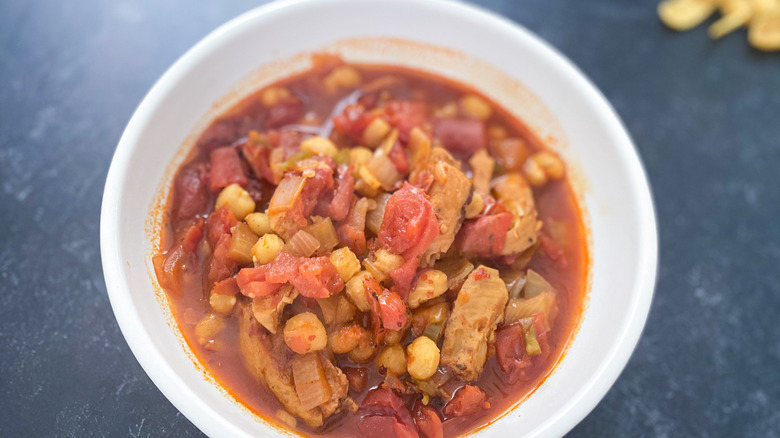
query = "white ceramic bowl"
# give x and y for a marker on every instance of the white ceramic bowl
(485, 50)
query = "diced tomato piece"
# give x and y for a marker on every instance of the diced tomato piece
(553, 249)
(468, 400)
(343, 195)
(484, 236)
(316, 277)
(319, 184)
(352, 230)
(510, 353)
(191, 195)
(383, 413)
(373, 290)
(284, 113)
(225, 131)
(257, 157)
(353, 121)
(393, 310)
(461, 136)
(218, 224)
(408, 228)
(428, 422)
(222, 266)
(192, 235)
(226, 169)
(337, 203)
(281, 268)
(290, 141)
(408, 218)
(228, 286)
(385, 426)
(252, 282)
(398, 157)
(405, 116)
(180, 265)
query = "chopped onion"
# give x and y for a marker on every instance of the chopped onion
(311, 384)
(322, 229)
(515, 281)
(383, 170)
(419, 146)
(242, 240)
(535, 284)
(374, 217)
(328, 307)
(531, 341)
(286, 194)
(301, 244)
(519, 309)
(360, 211)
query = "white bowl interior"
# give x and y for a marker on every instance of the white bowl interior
(584, 128)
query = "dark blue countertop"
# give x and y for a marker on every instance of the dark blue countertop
(705, 117)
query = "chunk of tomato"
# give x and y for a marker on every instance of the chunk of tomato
(467, 400)
(226, 169)
(428, 422)
(462, 137)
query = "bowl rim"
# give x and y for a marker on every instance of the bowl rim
(195, 409)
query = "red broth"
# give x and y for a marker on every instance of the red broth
(561, 255)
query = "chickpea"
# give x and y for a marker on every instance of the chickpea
(476, 107)
(346, 263)
(267, 248)
(222, 304)
(274, 95)
(551, 163)
(237, 200)
(534, 173)
(319, 146)
(364, 188)
(393, 359)
(419, 145)
(356, 291)
(304, 333)
(375, 132)
(387, 261)
(496, 132)
(476, 206)
(423, 358)
(208, 328)
(346, 338)
(449, 109)
(394, 336)
(345, 310)
(429, 285)
(259, 223)
(359, 156)
(363, 352)
(541, 167)
(342, 77)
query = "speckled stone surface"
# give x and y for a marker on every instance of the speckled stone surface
(705, 117)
